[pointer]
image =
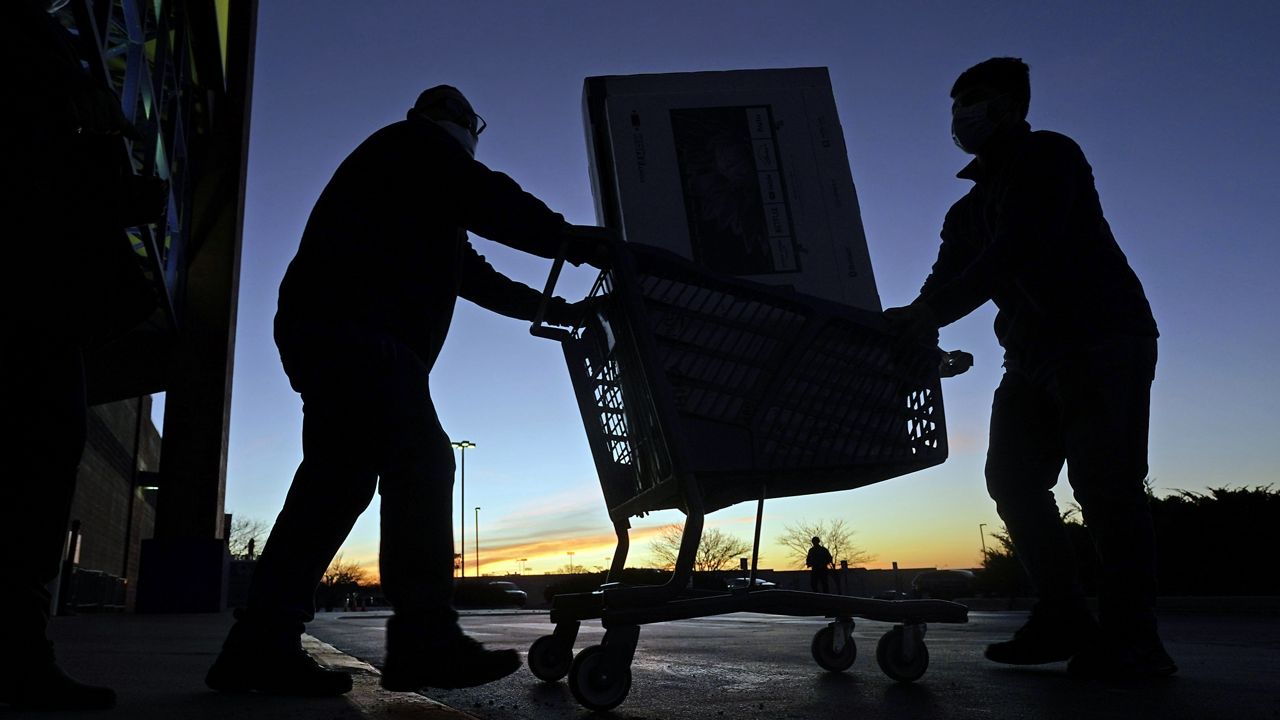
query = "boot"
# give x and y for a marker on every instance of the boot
(1112, 658)
(39, 684)
(1050, 635)
(418, 657)
(269, 659)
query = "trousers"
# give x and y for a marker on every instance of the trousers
(818, 580)
(42, 434)
(368, 425)
(1090, 411)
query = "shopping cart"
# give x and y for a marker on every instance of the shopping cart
(699, 391)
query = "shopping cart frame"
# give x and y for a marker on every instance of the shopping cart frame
(599, 676)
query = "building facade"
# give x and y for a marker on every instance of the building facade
(114, 508)
(150, 510)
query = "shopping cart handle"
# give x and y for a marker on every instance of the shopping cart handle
(550, 333)
(539, 328)
(571, 233)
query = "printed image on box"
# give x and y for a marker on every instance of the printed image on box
(744, 172)
(739, 222)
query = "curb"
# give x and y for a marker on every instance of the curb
(367, 695)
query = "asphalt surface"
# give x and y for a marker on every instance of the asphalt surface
(758, 666)
(157, 663)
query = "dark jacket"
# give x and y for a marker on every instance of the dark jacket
(1031, 236)
(386, 244)
(818, 558)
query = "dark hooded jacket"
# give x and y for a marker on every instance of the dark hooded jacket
(386, 245)
(1030, 235)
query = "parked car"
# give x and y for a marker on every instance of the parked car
(741, 582)
(495, 593)
(513, 594)
(943, 584)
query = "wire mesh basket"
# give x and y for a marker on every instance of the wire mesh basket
(756, 390)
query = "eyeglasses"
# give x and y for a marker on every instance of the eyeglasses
(459, 113)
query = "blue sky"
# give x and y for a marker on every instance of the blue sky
(1175, 104)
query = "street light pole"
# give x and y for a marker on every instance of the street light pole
(477, 542)
(983, 535)
(570, 553)
(462, 445)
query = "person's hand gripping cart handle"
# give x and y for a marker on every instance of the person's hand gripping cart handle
(916, 324)
(579, 244)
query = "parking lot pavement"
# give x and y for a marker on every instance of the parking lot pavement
(157, 664)
(759, 666)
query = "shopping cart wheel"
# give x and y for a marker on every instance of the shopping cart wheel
(825, 654)
(548, 659)
(593, 684)
(902, 656)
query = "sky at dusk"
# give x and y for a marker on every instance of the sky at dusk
(1175, 104)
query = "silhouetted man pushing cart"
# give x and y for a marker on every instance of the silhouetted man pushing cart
(1080, 356)
(364, 310)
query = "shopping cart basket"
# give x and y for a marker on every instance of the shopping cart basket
(698, 391)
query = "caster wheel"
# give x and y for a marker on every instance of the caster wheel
(593, 686)
(893, 660)
(826, 656)
(548, 660)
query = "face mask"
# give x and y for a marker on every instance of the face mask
(459, 133)
(972, 126)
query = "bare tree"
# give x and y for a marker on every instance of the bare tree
(341, 572)
(836, 536)
(245, 530)
(716, 551)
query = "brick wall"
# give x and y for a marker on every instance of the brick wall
(114, 515)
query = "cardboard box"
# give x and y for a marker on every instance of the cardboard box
(745, 172)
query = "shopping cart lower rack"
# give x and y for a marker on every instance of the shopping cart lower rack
(698, 391)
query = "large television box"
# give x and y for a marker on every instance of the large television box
(744, 172)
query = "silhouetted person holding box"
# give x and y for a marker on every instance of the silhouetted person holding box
(819, 561)
(1080, 356)
(69, 280)
(363, 312)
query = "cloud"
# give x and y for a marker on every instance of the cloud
(547, 553)
(566, 514)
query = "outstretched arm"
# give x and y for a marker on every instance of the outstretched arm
(494, 206)
(491, 290)
(917, 322)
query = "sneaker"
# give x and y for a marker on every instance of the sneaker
(1046, 637)
(46, 687)
(272, 663)
(457, 662)
(1109, 661)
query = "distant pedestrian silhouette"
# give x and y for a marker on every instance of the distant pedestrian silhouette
(363, 312)
(1080, 356)
(819, 561)
(68, 281)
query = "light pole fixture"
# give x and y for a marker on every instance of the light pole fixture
(477, 541)
(523, 569)
(570, 553)
(462, 445)
(983, 535)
